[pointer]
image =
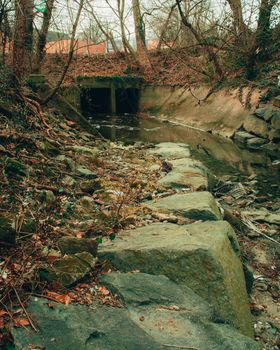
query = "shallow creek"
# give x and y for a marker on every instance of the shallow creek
(221, 155)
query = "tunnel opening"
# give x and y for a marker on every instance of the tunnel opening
(100, 101)
(127, 101)
(96, 101)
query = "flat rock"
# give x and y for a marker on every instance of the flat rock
(263, 215)
(170, 150)
(196, 206)
(242, 136)
(87, 151)
(256, 126)
(157, 315)
(202, 256)
(86, 173)
(264, 113)
(256, 142)
(188, 173)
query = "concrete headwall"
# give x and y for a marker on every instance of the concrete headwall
(222, 112)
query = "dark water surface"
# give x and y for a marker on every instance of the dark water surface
(221, 155)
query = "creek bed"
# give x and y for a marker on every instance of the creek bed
(221, 155)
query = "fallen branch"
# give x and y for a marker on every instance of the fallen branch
(254, 228)
(24, 310)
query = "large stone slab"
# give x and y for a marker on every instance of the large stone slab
(196, 205)
(157, 315)
(170, 150)
(202, 256)
(188, 173)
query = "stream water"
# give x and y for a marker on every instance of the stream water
(221, 155)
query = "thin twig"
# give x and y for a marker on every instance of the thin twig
(253, 227)
(26, 313)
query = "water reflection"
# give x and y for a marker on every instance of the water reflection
(220, 154)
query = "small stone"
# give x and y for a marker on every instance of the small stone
(256, 142)
(242, 137)
(84, 172)
(49, 147)
(264, 113)
(69, 162)
(70, 269)
(73, 245)
(256, 126)
(90, 186)
(87, 202)
(87, 151)
(68, 181)
(47, 197)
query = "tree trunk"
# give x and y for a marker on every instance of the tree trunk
(239, 25)
(23, 38)
(128, 49)
(142, 51)
(42, 37)
(258, 49)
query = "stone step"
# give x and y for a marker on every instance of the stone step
(202, 256)
(188, 173)
(157, 315)
(195, 205)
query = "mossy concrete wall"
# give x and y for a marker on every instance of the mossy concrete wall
(222, 112)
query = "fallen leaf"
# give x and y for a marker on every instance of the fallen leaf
(104, 291)
(21, 322)
(60, 298)
(2, 313)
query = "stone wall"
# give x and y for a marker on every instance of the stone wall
(222, 112)
(260, 130)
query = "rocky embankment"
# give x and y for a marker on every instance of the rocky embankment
(75, 208)
(261, 130)
(178, 275)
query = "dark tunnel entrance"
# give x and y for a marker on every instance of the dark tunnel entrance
(98, 101)
(127, 101)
